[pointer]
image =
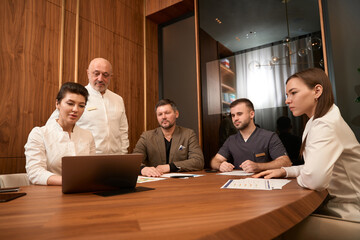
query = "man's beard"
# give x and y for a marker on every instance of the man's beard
(243, 126)
(167, 127)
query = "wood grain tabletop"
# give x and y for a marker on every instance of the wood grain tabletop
(194, 208)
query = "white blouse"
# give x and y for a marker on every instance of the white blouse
(332, 162)
(48, 144)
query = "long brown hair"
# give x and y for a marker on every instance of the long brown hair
(311, 77)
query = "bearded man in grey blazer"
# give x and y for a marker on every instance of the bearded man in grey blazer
(169, 148)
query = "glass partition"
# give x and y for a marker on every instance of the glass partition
(248, 49)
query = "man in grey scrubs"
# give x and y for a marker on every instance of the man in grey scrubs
(252, 149)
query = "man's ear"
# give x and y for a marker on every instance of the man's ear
(57, 104)
(177, 113)
(252, 114)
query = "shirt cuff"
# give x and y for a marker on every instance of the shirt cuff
(141, 168)
(292, 171)
(43, 179)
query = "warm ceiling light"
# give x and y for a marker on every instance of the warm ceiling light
(218, 20)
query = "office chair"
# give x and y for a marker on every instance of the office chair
(14, 180)
(321, 227)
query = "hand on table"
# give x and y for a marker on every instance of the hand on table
(150, 172)
(250, 166)
(273, 173)
(226, 167)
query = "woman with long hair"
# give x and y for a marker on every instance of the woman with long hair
(330, 149)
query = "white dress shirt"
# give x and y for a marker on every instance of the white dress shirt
(332, 162)
(48, 144)
(105, 117)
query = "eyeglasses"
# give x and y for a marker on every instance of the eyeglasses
(104, 74)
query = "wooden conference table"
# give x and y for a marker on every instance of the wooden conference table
(194, 208)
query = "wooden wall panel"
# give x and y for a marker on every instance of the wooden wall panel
(12, 165)
(69, 39)
(94, 41)
(129, 60)
(123, 19)
(29, 60)
(161, 11)
(70, 5)
(152, 95)
(130, 24)
(69, 47)
(154, 6)
(99, 12)
(152, 73)
(29, 63)
(137, 5)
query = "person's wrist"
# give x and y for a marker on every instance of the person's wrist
(220, 165)
(259, 167)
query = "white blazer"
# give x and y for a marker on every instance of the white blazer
(332, 162)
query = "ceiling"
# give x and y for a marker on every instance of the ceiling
(251, 23)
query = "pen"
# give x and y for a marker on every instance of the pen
(268, 184)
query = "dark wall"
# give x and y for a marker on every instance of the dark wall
(179, 70)
(343, 23)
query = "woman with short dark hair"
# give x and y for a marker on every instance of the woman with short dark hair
(59, 137)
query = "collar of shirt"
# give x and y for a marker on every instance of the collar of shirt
(55, 125)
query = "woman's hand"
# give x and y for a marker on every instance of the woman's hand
(273, 173)
(54, 180)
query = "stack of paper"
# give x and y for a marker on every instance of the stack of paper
(256, 183)
(236, 173)
(180, 175)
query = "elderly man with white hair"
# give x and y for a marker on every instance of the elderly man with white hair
(105, 114)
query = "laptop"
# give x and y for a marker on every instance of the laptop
(93, 173)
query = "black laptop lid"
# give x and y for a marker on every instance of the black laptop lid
(100, 172)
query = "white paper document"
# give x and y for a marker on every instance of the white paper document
(236, 173)
(142, 179)
(256, 183)
(180, 175)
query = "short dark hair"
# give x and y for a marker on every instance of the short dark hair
(247, 102)
(72, 88)
(311, 77)
(164, 102)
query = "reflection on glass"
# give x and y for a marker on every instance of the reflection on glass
(257, 34)
(302, 52)
(268, 42)
(314, 43)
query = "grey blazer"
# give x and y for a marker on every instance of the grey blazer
(185, 151)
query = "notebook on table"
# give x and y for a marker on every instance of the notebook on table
(94, 173)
